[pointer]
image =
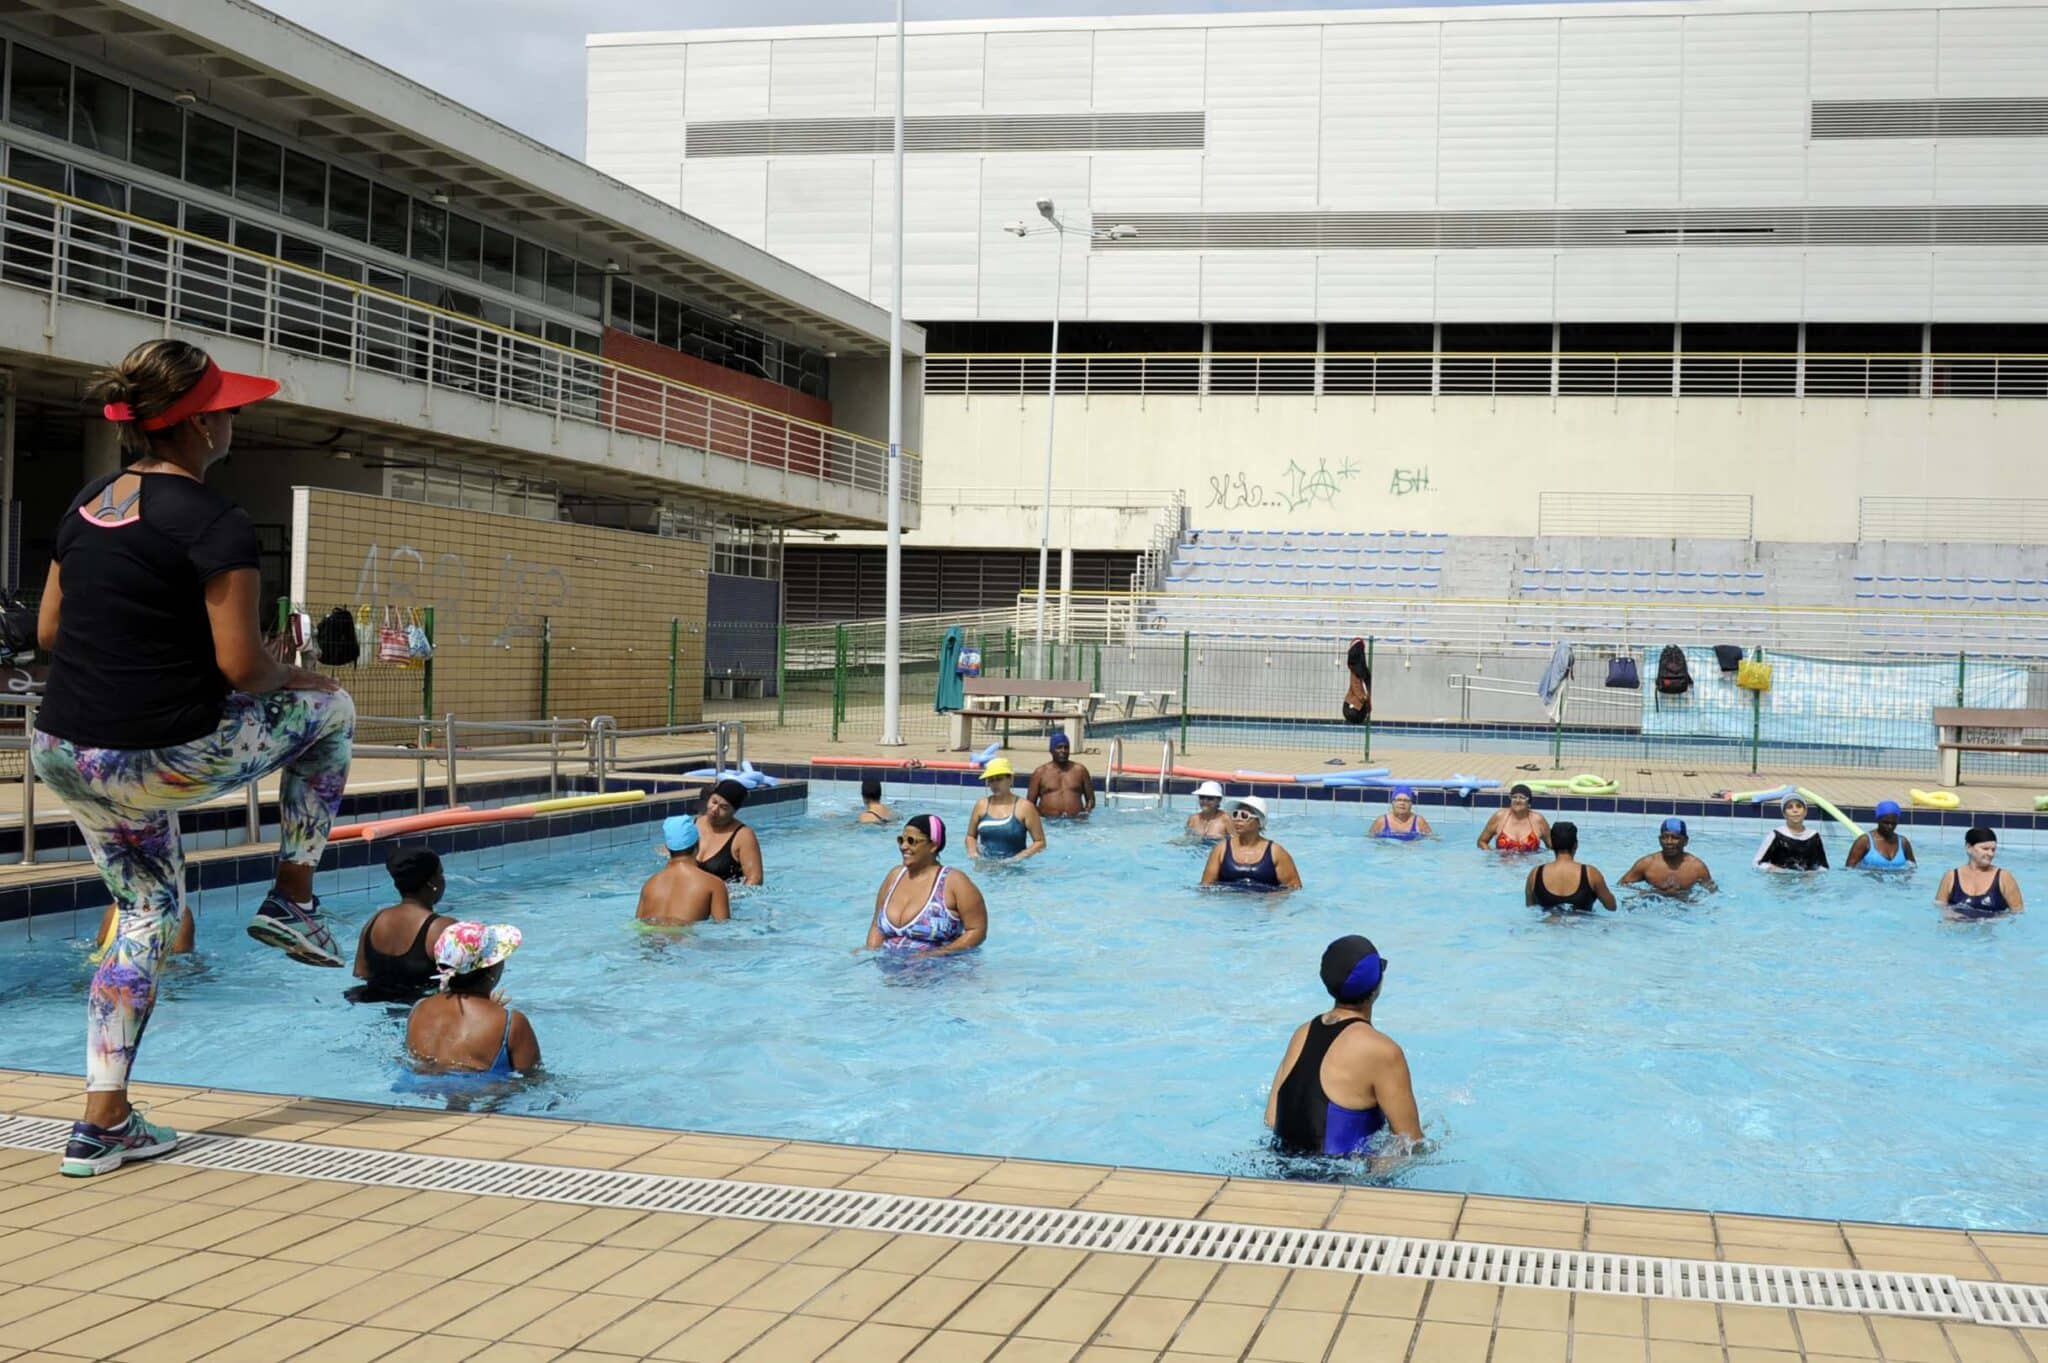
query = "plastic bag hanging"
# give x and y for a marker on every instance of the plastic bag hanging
(392, 644)
(418, 645)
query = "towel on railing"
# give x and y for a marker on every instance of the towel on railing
(1551, 688)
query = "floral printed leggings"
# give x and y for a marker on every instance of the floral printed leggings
(125, 802)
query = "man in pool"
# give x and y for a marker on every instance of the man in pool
(1670, 870)
(1208, 821)
(682, 891)
(1342, 1080)
(1062, 788)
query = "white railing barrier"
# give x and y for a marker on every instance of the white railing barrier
(67, 249)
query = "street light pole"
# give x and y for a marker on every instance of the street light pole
(892, 629)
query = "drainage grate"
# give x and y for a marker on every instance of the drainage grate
(1936, 1295)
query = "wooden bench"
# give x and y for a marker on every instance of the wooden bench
(986, 694)
(1958, 731)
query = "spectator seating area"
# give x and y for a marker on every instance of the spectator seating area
(1648, 584)
(1376, 562)
(2010, 593)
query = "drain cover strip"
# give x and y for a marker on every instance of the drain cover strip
(1929, 1295)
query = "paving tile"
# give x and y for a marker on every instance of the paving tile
(1247, 1285)
(574, 1321)
(1445, 1342)
(927, 1302)
(1910, 1341)
(198, 1337)
(1295, 1336)
(999, 1308)
(500, 1314)
(1109, 1353)
(780, 1244)
(1757, 1327)
(433, 1309)
(1595, 1314)
(798, 1339)
(1041, 1266)
(788, 1286)
(1400, 1298)
(1695, 1321)
(356, 1344)
(956, 1346)
(357, 1305)
(1983, 1344)
(1219, 1328)
(873, 1342)
(434, 1349)
(511, 1353)
(279, 1339)
(978, 1262)
(116, 1331)
(1187, 1279)
(584, 1271)
(718, 1336)
(1112, 1273)
(908, 1254)
(1070, 1313)
(653, 1275)
(646, 1327)
(1144, 1322)
(1749, 1355)
(1609, 1348)
(1530, 1346)
(1534, 1309)
(1829, 1332)
(1036, 1351)
(1684, 1351)
(1311, 1289)
(1462, 1303)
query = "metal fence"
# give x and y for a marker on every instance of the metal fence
(1614, 374)
(65, 248)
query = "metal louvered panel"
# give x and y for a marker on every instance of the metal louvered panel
(1937, 1296)
(1837, 118)
(1960, 225)
(947, 133)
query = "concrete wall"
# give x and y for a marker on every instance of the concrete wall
(1474, 465)
(608, 596)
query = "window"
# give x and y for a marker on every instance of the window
(305, 188)
(589, 292)
(259, 171)
(348, 205)
(207, 223)
(465, 246)
(533, 271)
(499, 249)
(561, 281)
(39, 95)
(668, 328)
(99, 113)
(389, 211)
(209, 154)
(147, 203)
(622, 303)
(429, 233)
(157, 135)
(98, 189)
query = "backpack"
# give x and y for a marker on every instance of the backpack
(336, 638)
(1621, 672)
(1673, 677)
(17, 627)
(1728, 656)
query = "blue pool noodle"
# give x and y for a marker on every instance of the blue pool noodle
(986, 755)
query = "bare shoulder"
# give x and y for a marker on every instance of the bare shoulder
(1368, 1045)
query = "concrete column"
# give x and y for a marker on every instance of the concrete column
(1065, 586)
(1927, 359)
(102, 449)
(1799, 365)
(1322, 348)
(8, 549)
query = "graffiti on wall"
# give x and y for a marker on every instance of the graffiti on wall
(1408, 482)
(514, 594)
(1293, 490)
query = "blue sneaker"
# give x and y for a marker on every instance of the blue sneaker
(293, 929)
(101, 1150)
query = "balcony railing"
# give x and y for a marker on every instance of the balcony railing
(1464, 373)
(67, 249)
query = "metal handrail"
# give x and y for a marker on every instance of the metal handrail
(66, 248)
(1609, 373)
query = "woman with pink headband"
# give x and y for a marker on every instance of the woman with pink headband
(923, 906)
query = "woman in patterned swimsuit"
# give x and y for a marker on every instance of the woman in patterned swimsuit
(923, 906)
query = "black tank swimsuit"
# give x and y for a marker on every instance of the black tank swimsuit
(405, 977)
(723, 863)
(1580, 900)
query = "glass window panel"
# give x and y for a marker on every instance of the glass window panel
(533, 271)
(300, 252)
(305, 188)
(40, 171)
(669, 323)
(429, 233)
(39, 94)
(589, 291)
(468, 304)
(499, 252)
(255, 237)
(207, 223)
(559, 333)
(561, 281)
(389, 212)
(147, 203)
(209, 154)
(348, 205)
(259, 170)
(98, 189)
(424, 290)
(158, 134)
(465, 246)
(342, 267)
(622, 302)
(99, 113)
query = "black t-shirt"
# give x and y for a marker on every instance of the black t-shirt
(134, 658)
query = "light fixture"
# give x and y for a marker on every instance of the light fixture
(830, 354)
(1123, 231)
(613, 267)
(1045, 208)
(1016, 229)
(439, 198)
(186, 96)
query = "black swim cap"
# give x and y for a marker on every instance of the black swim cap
(1519, 789)
(412, 869)
(731, 791)
(1977, 835)
(1352, 968)
(871, 789)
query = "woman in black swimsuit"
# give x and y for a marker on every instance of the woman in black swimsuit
(727, 848)
(1566, 883)
(395, 954)
(1981, 888)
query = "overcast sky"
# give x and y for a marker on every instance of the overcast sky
(521, 61)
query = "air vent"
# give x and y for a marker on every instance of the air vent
(1928, 1295)
(1961, 225)
(947, 132)
(1833, 118)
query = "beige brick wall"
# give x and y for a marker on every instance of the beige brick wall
(607, 596)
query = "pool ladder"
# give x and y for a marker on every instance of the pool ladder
(1158, 795)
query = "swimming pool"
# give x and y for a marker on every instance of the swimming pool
(1819, 1047)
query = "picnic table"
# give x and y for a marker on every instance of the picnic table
(1067, 704)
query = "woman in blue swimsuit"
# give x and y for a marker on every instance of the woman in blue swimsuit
(1401, 823)
(466, 1029)
(1003, 825)
(1869, 849)
(1980, 889)
(923, 906)
(1247, 859)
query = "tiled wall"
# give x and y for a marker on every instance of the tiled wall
(607, 595)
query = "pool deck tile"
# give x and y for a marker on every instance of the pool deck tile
(218, 1266)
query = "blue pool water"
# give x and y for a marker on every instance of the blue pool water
(1820, 1047)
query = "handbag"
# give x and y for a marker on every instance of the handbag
(392, 644)
(1621, 672)
(417, 644)
(1753, 675)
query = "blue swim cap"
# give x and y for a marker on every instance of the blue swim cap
(1672, 825)
(679, 832)
(1399, 791)
(1885, 807)
(1058, 740)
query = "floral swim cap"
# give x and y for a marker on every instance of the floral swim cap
(468, 947)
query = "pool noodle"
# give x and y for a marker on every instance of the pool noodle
(356, 830)
(895, 763)
(1759, 796)
(614, 797)
(1821, 803)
